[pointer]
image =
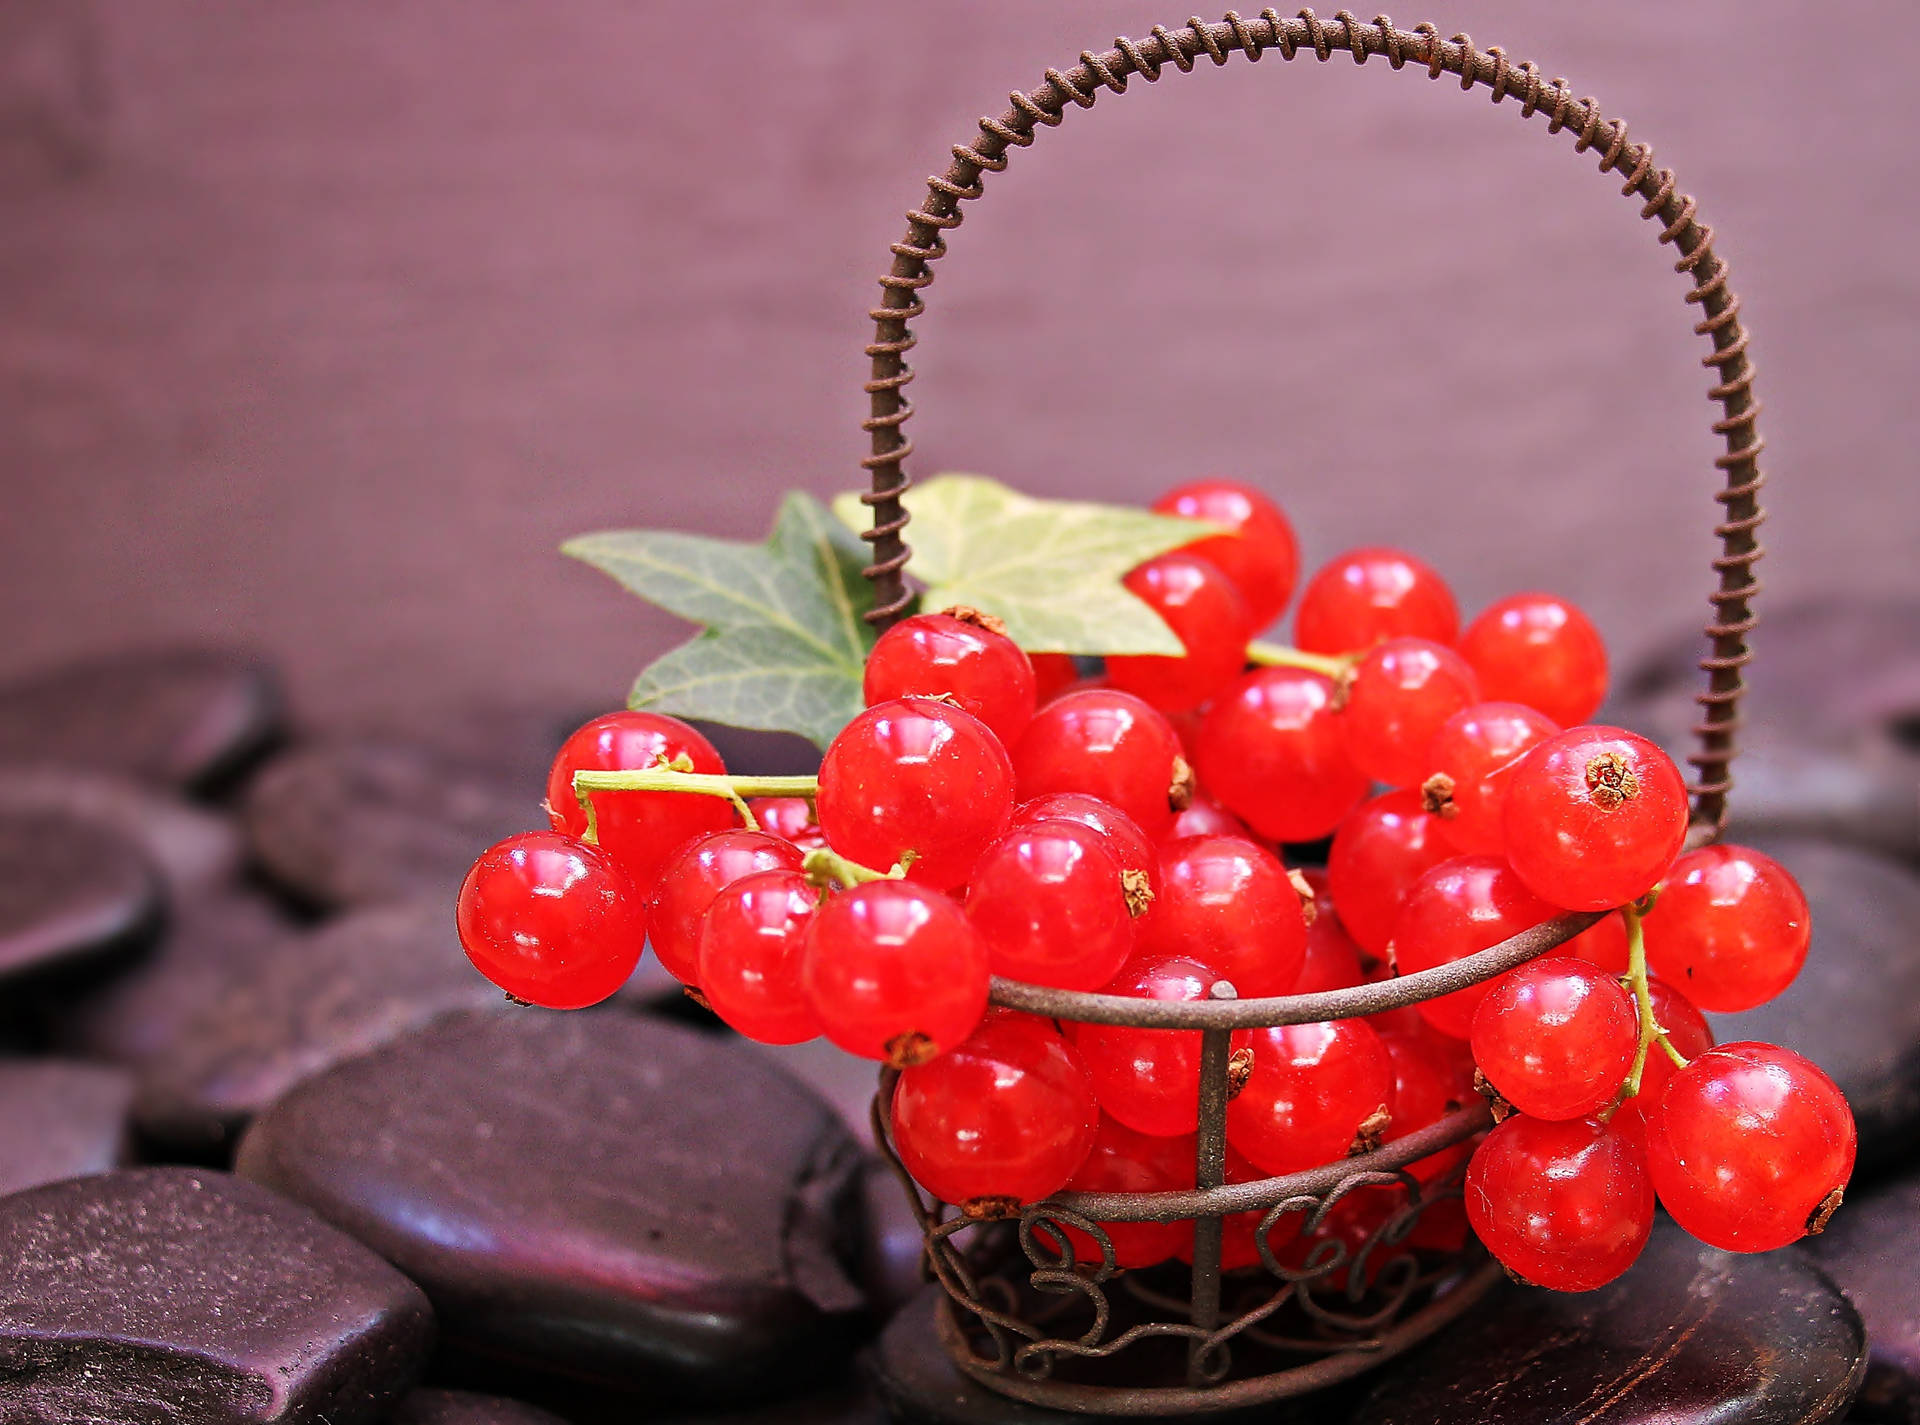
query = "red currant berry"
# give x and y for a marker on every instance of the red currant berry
(692, 879)
(1382, 847)
(1556, 1037)
(1731, 928)
(1316, 1093)
(1367, 595)
(1125, 1161)
(1126, 842)
(1053, 674)
(1604, 944)
(1476, 751)
(1397, 700)
(1566, 1205)
(640, 830)
(1205, 613)
(1003, 1119)
(551, 920)
(1542, 651)
(979, 667)
(1229, 902)
(1049, 906)
(1750, 1145)
(1460, 908)
(1261, 557)
(1333, 960)
(1206, 817)
(789, 818)
(895, 971)
(1594, 817)
(916, 782)
(1426, 1088)
(752, 941)
(1687, 1030)
(1149, 1079)
(1107, 744)
(1272, 753)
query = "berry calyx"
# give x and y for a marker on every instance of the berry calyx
(1566, 1205)
(1556, 1037)
(1381, 848)
(1542, 651)
(1367, 595)
(960, 654)
(1469, 763)
(551, 920)
(1730, 929)
(1206, 614)
(1271, 752)
(1126, 842)
(1106, 744)
(1314, 1093)
(692, 879)
(1397, 699)
(1261, 556)
(752, 941)
(1228, 902)
(1051, 908)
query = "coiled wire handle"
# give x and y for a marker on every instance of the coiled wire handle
(925, 242)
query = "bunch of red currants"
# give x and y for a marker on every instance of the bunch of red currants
(992, 813)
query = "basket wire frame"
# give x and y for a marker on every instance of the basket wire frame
(996, 1333)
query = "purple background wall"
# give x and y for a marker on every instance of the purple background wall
(321, 324)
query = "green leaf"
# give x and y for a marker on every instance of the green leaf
(1049, 569)
(785, 642)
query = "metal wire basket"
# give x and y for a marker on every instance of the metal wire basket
(1022, 1314)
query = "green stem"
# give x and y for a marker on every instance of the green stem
(1278, 655)
(673, 779)
(1650, 1031)
(822, 865)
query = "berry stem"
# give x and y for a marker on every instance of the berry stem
(1650, 1030)
(735, 789)
(1278, 655)
(822, 865)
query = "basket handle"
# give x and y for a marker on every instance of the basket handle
(925, 242)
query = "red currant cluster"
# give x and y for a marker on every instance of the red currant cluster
(992, 813)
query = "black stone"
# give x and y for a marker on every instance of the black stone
(60, 1120)
(1831, 742)
(465, 1407)
(349, 987)
(355, 822)
(71, 896)
(168, 1296)
(1855, 1008)
(1872, 1249)
(597, 1197)
(182, 717)
(195, 851)
(850, 1404)
(1689, 1336)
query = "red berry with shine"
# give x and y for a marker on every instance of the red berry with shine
(1002, 1119)
(1604, 944)
(1687, 1030)
(1205, 613)
(895, 971)
(1749, 1146)
(1053, 674)
(1261, 557)
(1106, 744)
(789, 818)
(1566, 1205)
(918, 777)
(1399, 697)
(1731, 928)
(752, 943)
(1540, 650)
(1556, 1037)
(1122, 1160)
(1316, 1093)
(640, 830)
(1126, 842)
(1149, 1079)
(1206, 817)
(1229, 902)
(1050, 908)
(1460, 908)
(1367, 595)
(692, 879)
(1594, 817)
(1382, 847)
(551, 920)
(1426, 1088)
(1272, 753)
(1476, 751)
(1333, 960)
(931, 655)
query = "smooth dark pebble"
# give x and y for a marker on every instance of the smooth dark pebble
(466, 1407)
(170, 1296)
(850, 1404)
(60, 1120)
(196, 851)
(1688, 1336)
(70, 894)
(1855, 1008)
(356, 822)
(351, 986)
(596, 1197)
(188, 717)
(1872, 1249)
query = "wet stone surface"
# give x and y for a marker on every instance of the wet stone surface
(593, 1199)
(1689, 1336)
(170, 1296)
(184, 718)
(194, 850)
(60, 1120)
(465, 1407)
(271, 1021)
(1872, 1248)
(70, 895)
(1855, 1008)
(356, 822)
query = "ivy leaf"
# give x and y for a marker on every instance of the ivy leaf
(1049, 569)
(784, 644)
